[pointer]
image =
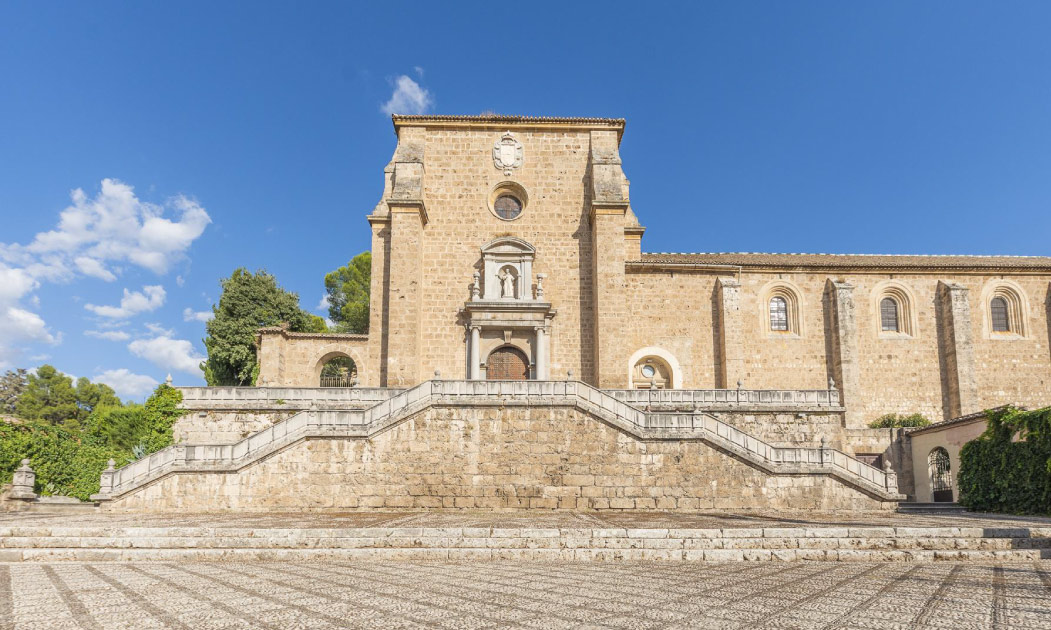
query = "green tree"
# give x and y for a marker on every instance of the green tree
(348, 294)
(161, 412)
(893, 421)
(122, 428)
(12, 384)
(91, 396)
(49, 396)
(249, 301)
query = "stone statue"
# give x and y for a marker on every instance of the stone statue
(507, 284)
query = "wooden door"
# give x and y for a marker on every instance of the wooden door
(507, 364)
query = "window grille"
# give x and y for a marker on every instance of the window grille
(888, 315)
(778, 314)
(998, 306)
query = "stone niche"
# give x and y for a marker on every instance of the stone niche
(507, 269)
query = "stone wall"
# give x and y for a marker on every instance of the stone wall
(497, 458)
(681, 312)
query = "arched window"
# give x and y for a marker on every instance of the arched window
(1000, 315)
(778, 314)
(888, 315)
(938, 469)
(339, 371)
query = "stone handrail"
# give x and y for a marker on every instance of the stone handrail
(292, 397)
(728, 397)
(367, 422)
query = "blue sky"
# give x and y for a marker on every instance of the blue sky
(206, 136)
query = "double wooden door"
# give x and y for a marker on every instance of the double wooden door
(507, 364)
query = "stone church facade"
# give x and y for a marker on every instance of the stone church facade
(556, 286)
(524, 352)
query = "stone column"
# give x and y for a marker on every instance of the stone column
(541, 354)
(845, 349)
(957, 343)
(473, 353)
(731, 357)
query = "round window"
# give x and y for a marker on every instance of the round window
(648, 371)
(507, 207)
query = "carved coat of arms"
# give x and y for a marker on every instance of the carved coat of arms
(507, 153)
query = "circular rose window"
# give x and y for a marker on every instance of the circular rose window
(507, 207)
(648, 371)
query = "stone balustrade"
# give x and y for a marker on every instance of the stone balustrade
(361, 423)
(710, 398)
(195, 398)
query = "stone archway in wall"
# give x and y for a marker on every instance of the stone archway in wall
(656, 365)
(337, 368)
(507, 363)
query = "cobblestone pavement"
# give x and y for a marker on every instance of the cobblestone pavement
(512, 519)
(524, 595)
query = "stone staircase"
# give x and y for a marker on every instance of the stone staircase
(822, 543)
(363, 423)
(913, 507)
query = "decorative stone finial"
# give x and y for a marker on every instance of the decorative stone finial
(824, 442)
(23, 482)
(437, 374)
(540, 285)
(476, 289)
(831, 383)
(886, 466)
(111, 465)
(739, 384)
(569, 375)
(168, 381)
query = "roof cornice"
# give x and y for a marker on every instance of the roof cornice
(509, 122)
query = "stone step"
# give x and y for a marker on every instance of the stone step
(456, 555)
(46, 544)
(930, 508)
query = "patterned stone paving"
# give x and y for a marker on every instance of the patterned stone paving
(524, 595)
(513, 519)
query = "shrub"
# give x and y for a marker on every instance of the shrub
(1008, 468)
(894, 421)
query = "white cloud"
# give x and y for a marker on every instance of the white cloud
(158, 330)
(179, 280)
(323, 304)
(168, 353)
(190, 315)
(92, 267)
(408, 98)
(108, 335)
(125, 382)
(115, 226)
(134, 302)
(419, 71)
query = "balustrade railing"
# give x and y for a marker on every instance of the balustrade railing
(360, 422)
(720, 397)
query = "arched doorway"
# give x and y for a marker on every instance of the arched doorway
(507, 364)
(339, 371)
(938, 468)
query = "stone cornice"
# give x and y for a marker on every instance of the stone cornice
(511, 122)
(278, 330)
(409, 206)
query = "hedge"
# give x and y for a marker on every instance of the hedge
(1008, 468)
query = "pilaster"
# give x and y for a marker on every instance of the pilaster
(731, 355)
(404, 326)
(957, 343)
(845, 349)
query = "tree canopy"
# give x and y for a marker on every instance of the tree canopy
(348, 294)
(12, 384)
(50, 396)
(249, 301)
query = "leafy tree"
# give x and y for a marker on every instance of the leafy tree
(12, 384)
(348, 294)
(91, 396)
(249, 301)
(49, 396)
(122, 428)
(161, 412)
(894, 421)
